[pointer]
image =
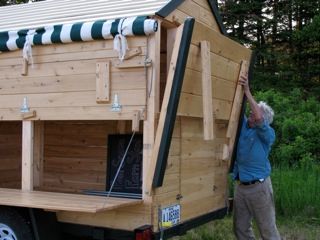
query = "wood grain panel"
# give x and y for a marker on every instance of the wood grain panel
(10, 154)
(75, 155)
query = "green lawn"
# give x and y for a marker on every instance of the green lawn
(290, 229)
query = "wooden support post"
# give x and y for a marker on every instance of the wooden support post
(208, 122)
(235, 112)
(103, 82)
(24, 71)
(27, 155)
(136, 121)
(38, 153)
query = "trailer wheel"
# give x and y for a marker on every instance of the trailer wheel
(13, 226)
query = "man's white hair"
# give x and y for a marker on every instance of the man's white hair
(268, 112)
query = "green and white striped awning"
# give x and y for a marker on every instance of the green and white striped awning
(84, 31)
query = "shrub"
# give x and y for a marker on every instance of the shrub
(297, 126)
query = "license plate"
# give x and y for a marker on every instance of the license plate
(171, 214)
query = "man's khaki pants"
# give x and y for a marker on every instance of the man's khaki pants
(254, 201)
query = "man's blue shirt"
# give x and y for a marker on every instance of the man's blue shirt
(254, 145)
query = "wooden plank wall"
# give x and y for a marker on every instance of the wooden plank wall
(61, 84)
(10, 154)
(168, 193)
(75, 155)
(203, 173)
(225, 70)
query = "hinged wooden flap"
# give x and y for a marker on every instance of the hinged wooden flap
(62, 201)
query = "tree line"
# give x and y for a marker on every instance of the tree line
(285, 36)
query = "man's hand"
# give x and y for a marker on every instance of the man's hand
(256, 115)
(244, 82)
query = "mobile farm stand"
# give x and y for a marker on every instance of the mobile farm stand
(118, 118)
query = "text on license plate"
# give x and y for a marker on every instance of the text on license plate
(171, 214)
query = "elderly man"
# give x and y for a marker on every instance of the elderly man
(253, 198)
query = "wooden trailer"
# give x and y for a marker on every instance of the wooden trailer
(118, 118)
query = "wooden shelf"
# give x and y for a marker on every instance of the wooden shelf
(62, 201)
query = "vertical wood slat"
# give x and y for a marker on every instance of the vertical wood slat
(27, 155)
(24, 70)
(208, 121)
(103, 82)
(136, 121)
(171, 36)
(38, 154)
(235, 114)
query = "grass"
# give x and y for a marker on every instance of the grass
(297, 191)
(297, 198)
(289, 228)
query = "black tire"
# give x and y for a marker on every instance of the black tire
(13, 226)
